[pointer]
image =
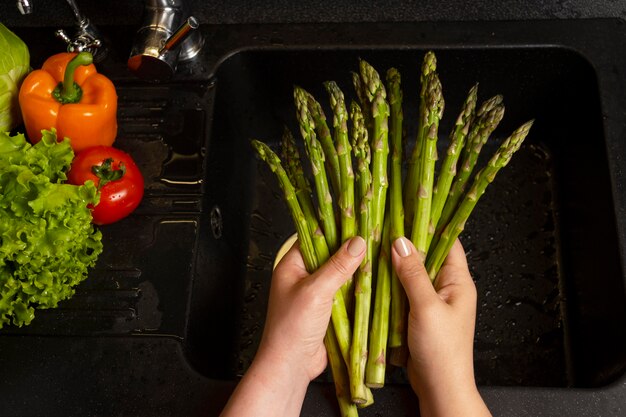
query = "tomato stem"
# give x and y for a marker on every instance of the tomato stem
(106, 173)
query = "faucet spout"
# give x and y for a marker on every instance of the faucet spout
(25, 6)
(166, 36)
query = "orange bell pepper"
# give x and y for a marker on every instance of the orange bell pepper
(67, 93)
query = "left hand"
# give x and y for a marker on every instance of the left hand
(300, 306)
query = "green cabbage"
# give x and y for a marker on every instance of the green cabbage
(47, 241)
(14, 65)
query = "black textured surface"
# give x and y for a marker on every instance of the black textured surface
(56, 12)
(149, 375)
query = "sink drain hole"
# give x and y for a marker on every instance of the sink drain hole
(216, 222)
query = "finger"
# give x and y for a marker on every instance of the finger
(456, 257)
(341, 266)
(411, 271)
(292, 264)
(454, 282)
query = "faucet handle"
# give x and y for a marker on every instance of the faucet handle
(180, 34)
(24, 6)
(80, 43)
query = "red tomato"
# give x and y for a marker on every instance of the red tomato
(117, 177)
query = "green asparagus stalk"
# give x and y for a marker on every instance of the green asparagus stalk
(293, 166)
(456, 225)
(346, 174)
(362, 152)
(323, 133)
(428, 156)
(398, 313)
(340, 375)
(379, 332)
(344, 153)
(447, 172)
(340, 329)
(316, 157)
(487, 119)
(429, 66)
(362, 155)
(361, 94)
(376, 95)
(339, 316)
(289, 193)
(396, 119)
(370, 399)
(363, 286)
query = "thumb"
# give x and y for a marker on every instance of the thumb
(410, 269)
(341, 266)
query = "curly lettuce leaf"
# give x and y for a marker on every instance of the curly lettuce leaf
(47, 241)
(48, 156)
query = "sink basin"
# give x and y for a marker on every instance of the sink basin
(180, 292)
(545, 259)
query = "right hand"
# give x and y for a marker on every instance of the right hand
(440, 331)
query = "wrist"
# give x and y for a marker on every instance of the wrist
(280, 369)
(447, 397)
(271, 387)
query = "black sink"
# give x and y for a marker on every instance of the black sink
(177, 302)
(545, 260)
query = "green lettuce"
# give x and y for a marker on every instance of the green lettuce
(14, 66)
(47, 241)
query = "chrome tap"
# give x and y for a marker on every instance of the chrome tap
(166, 36)
(24, 6)
(87, 38)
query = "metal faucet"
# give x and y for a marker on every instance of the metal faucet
(24, 6)
(166, 36)
(87, 37)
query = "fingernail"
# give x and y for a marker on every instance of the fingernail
(401, 245)
(356, 246)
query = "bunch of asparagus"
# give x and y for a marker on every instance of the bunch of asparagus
(362, 339)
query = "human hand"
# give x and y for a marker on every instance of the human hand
(292, 351)
(300, 307)
(440, 332)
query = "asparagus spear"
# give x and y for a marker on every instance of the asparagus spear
(293, 166)
(447, 171)
(376, 95)
(362, 155)
(429, 66)
(363, 287)
(344, 153)
(323, 133)
(377, 355)
(341, 326)
(316, 157)
(398, 297)
(456, 225)
(302, 227)
(488, 117)
(428, 155)
(346, 174)
(361, 94)
(340, 375)
(339, 315)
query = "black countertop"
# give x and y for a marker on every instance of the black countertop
(150, 375)
(122, 12)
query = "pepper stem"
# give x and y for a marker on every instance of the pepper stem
(69, 91)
